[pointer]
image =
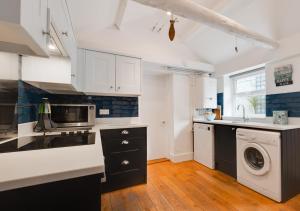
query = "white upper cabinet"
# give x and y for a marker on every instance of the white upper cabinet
(206, 92)
(60, 21)
(108, 74)
(99, 73)
(59, 72)
(9, 66)
(128, 75)
(23, 25)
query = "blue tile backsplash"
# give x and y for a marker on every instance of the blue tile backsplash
(220, 101)
(276, 102)
(286, 101)
(30, 97)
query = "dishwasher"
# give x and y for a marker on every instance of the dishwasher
(204, 144)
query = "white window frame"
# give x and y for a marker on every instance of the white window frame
(234, 79)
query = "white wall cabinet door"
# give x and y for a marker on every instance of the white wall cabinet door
(58, 17)
(80, 70)
(75, 76)
(22, 24)
(34, 20)
(108, 74)
(60, 20)
(99, 73)
(210, 93)
(128, 75)
(206, 92)
(63, 27)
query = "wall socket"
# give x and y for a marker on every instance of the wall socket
(104, 111)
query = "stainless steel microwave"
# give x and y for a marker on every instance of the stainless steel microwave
(73, 115)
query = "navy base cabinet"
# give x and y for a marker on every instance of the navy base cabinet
(225, 149)
(125, 152)
(78, 194)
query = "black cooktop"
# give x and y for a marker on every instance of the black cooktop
(47, 142)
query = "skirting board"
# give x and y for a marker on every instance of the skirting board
(150, 162)
(181, 157)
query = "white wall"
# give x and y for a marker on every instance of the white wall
(287, 53)
(154, 109)
(181, 102)
(215, 46)
(288, 46)
(168, 97)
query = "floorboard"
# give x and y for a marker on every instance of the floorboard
(191, 186)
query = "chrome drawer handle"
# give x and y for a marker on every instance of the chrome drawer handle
(125, 132)
(125, 162)
(125, 142)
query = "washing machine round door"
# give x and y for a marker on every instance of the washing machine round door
(255, 159)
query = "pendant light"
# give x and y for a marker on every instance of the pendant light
(172, 31)
(236, 46)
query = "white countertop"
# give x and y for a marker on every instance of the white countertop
(267, 126)
(27, 168)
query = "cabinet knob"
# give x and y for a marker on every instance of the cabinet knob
(119, 87)
(125, 142)
(111, 87)
(65, 34)
(73, 75)
(125, 132)
(125, 162)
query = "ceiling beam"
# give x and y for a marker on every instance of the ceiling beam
(120, 14)
(195, 26)
(198, 13)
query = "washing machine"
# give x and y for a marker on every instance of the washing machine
(259, 161)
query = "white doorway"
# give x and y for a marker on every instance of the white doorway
(154, 113)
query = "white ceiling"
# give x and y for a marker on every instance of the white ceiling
(94, 20)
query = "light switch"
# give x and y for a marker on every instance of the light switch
(104, 111)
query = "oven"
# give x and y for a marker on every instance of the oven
(73, 115)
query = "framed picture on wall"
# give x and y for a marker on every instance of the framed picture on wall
(284, 75)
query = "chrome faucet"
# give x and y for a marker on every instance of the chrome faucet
(244, 112)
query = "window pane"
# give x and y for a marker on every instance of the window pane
(250, 92)
(254, 105)
(251, 83)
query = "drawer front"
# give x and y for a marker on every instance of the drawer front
(124, 133)
(126, 161)
(122, 145)
(123, 180)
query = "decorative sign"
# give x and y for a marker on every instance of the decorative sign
(284, 75)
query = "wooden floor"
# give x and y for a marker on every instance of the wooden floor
(190, 186)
